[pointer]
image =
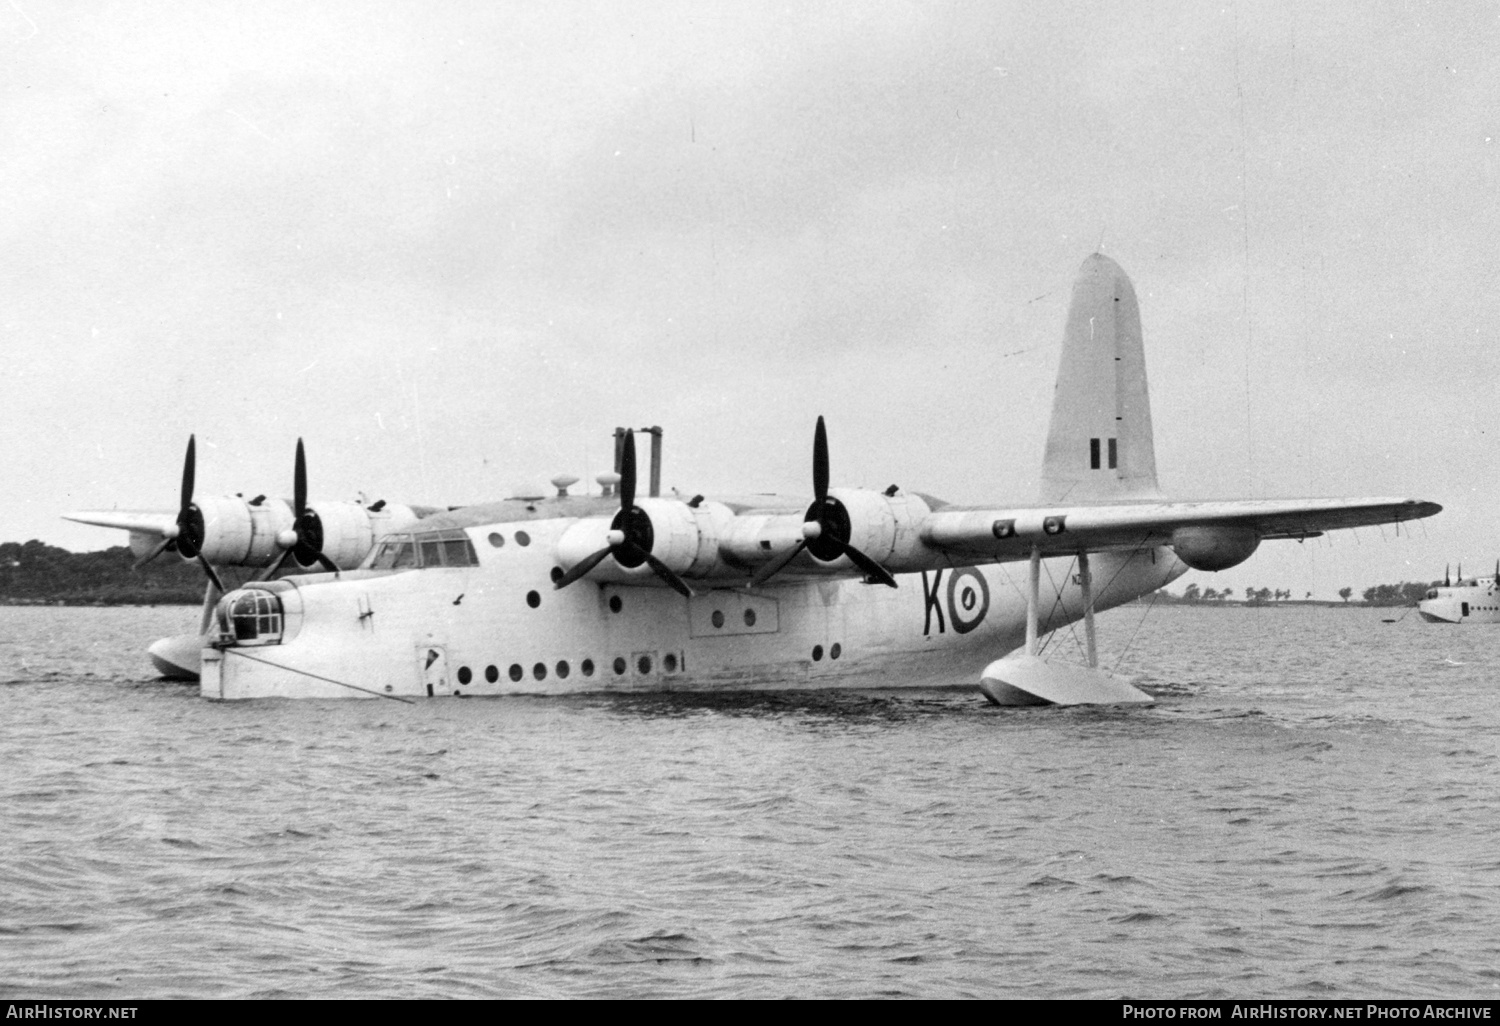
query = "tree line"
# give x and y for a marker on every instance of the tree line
(34, 573)
(1407, 593)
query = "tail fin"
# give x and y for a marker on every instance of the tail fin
(1099, 442)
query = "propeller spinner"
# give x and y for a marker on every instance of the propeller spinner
(826, 527)
(630, 534)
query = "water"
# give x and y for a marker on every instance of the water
(1310, 810)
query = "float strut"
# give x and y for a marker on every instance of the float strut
(1086, 582)
(1033, 588)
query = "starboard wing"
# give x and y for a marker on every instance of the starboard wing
(1009, 534)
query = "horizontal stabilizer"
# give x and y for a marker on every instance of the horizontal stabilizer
(1031, 680)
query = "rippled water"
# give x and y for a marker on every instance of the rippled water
(1312, 809)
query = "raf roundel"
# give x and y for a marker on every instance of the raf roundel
(968, 599)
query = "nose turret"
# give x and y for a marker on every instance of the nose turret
(249, 616)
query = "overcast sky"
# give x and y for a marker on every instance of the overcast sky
(452, 245)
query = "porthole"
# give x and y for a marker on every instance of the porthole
(749, 618)
(539, 671)
(557, 574)
(516, 673)
(615, 605)
(496, 539)
(669, 662)
(562, 669)
(465, 675)
(619, 665)
(817, 653)
(492, 673)
(522, 538)
(587, 666)
(533, 599)
(718, 618)
(836, 651)
(643, 665)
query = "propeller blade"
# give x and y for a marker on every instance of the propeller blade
(820, 461)
(299, 481)
(775, 567)
(208, 568)
(333, 567)
(627, 472)
(666, 574)
(189, 473)
(156, 550)
(581, 568)
(868, 565)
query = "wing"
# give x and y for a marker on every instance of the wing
(152, 522)
(1008, 534)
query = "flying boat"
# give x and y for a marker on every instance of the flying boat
(846, 587)
(1472, 600)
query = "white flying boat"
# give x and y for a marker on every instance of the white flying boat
(1476, 600)
(856, 588)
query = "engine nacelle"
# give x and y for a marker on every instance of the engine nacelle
(236, 533)
(1214, 547)
(884, 527)
(887, 528)
(685, 538)
(347, 531)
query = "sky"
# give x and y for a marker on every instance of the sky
(453, 245)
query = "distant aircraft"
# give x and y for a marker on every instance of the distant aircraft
(854, 588)
(259, 532)
(1476, 600)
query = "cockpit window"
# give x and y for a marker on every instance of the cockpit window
(435, 548)
(458, 552)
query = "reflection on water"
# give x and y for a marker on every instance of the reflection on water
(1308, 810)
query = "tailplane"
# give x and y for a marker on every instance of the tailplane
(1099, 442)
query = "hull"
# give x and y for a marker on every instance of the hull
(500, 628)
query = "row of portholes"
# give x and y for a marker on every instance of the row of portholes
(563, 669)
(522, 539)
(834, 651)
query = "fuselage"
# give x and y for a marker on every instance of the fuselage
(494, 624)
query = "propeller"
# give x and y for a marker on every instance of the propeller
(304, 539)
(630, 535)
(826, 527)
(185, 536)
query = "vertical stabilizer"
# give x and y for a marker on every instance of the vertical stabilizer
(1099, 442)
